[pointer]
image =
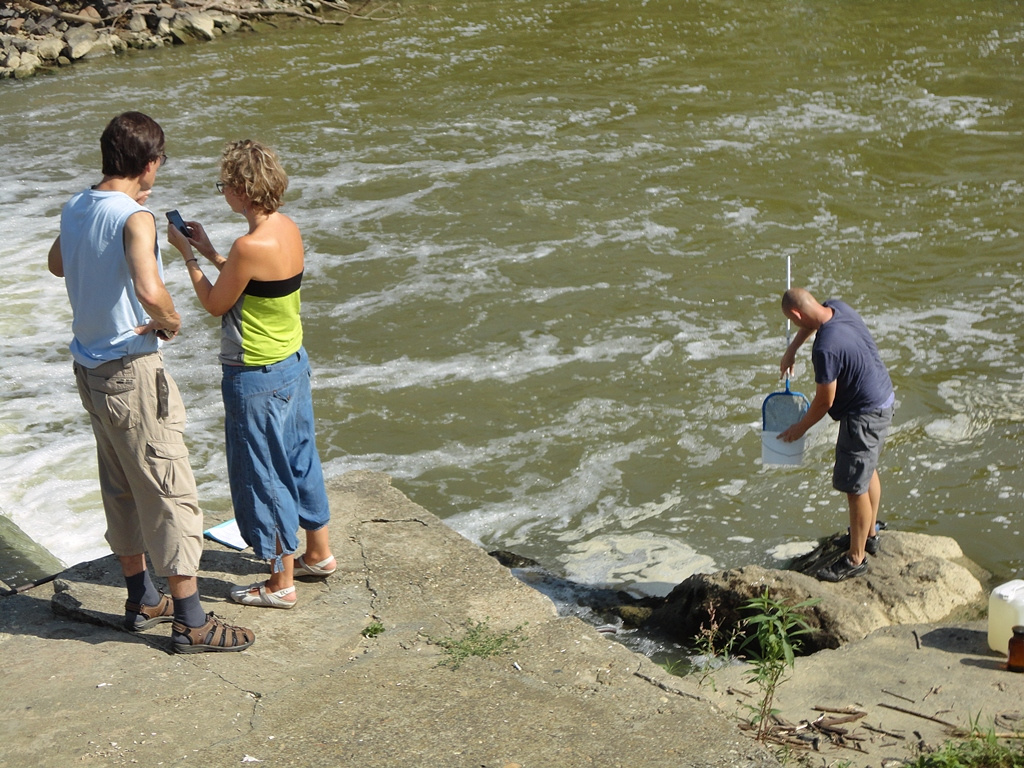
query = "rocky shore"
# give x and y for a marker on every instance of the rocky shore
(361, 672)
(37, 37)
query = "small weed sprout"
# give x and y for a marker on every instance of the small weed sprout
(677, 667)
(373, 629)
(713, 645)
(479, 640)
(773, 649)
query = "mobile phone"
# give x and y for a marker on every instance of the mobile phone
(179, 223)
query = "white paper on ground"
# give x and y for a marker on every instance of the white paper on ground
(226, 533)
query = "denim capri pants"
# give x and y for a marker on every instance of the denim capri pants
(277, 483)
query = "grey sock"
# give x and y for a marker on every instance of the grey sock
(189, 611)
(141, 589)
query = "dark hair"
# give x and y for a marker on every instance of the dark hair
(129, 142)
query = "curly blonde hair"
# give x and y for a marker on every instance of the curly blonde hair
(254, 171)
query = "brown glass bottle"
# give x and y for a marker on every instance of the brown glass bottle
(1015, 662)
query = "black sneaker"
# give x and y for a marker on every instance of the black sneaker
(871, 546)
(842, 569)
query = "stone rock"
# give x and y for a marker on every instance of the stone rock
(137, 23)
(165, 12)
(202, 25)
(117, 9)
(914, 579)
(80, 41)
(226, 23)
(27, 66)
(103, 45)
(48, 49)
(44, 26)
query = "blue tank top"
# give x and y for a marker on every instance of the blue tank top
(99, 283)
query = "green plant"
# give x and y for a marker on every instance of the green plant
(677, 667)
(772, 649)
(978, 751)
(711, 641)
(373, 629)
(713, 646)
(479, 640)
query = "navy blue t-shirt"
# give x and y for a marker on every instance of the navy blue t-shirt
(845, 353)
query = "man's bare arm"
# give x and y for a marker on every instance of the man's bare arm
(140, 252)
(55, 259)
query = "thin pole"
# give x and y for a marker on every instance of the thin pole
(789, 278)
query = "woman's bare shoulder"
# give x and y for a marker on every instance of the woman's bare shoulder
(273, 250)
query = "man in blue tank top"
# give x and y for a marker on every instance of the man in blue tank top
(852, 385)
(108, 255)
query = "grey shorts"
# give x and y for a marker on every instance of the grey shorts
(858, 448)
(149, 492)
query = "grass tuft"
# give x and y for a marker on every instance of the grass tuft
(478, 640)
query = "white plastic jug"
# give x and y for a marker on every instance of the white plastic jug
(1005, 611)
(774, 451)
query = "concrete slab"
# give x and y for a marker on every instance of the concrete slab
(313, 691)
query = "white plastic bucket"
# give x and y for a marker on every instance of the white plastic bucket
(775, 451)
(1005, 611)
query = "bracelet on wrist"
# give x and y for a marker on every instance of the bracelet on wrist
(192, 259)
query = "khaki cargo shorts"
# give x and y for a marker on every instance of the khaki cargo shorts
(149, 492)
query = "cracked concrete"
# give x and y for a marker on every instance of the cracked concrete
(313, 691)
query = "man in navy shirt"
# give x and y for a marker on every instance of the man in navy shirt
(852, 386)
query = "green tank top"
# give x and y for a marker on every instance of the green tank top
(264, 326)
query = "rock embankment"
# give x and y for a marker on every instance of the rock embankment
(37, 37)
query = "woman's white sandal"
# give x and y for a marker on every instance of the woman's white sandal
(302, 568)
(257, 594)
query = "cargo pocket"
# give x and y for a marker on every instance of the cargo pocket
(169, 409)
(114, 400)
(168, 463)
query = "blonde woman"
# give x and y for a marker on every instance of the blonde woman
(274, 469)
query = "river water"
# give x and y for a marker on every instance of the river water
(546, 243)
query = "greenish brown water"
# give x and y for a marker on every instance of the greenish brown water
(546, 245)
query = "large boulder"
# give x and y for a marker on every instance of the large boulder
(80, 41)
(915, 578)
(192, 27)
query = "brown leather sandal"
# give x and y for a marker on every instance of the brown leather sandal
(138, 617)
(214, 635)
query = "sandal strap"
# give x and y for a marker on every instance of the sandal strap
(149, 611)
(215, 633)
(280, 592)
